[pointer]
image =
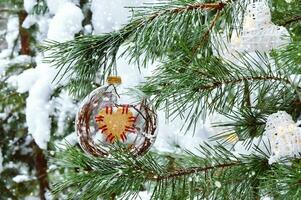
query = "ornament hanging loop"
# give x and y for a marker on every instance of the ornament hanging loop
(114, 81)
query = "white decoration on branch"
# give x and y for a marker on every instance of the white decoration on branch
(284, 135)
(258, 33)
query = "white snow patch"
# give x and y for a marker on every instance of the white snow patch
(68, 140)
(24, 81)
(3, 115)
(111, 15)
(218, 184)
(88, 29)
(29, 5)
(29, 21)
(266, 198)
(55, 5)
(22, 178)
(3, 66)
(12, 32)
(143, 195)
(5, 54)
(38, 82)
(21, 59)
(65, 107)
(66, 23)
(48, 195)
(171, 137)
(37, 105)
(32, 198)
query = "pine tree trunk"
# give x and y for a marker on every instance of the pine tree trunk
(24, 34)
(41, 168)
(39, 157)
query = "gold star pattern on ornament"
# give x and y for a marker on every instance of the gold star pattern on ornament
(116, 122)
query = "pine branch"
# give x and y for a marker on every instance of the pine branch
(211, 85)
(283, 181)
(195, 176)
(249, 122)
(291, 20)
(207, 33)
(40, 7)
(290, 55)
(153, 32)
(9, 10)
(189, 171)
(12, 4)
(6, 192)
(288, 15)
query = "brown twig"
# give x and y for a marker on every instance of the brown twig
(255, 78)
(289, 21)
(192, 170)
(200, 6)
(197, 6)
(207, 33)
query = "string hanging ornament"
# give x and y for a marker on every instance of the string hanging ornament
(284, 136)
(102, 121)
(258, 33)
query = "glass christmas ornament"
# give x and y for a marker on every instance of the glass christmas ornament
(102, 121)
(284, 135)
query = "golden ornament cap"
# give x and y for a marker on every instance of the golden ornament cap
(114, 80)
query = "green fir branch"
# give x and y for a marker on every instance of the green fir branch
(290, 55)
(248, 122)
(283, 181)
(216, 173)
(287, 14)
(155, 31)
(291, 11)
(213, 85)
(40, 7)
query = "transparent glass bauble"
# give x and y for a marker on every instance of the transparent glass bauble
(102, 121)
